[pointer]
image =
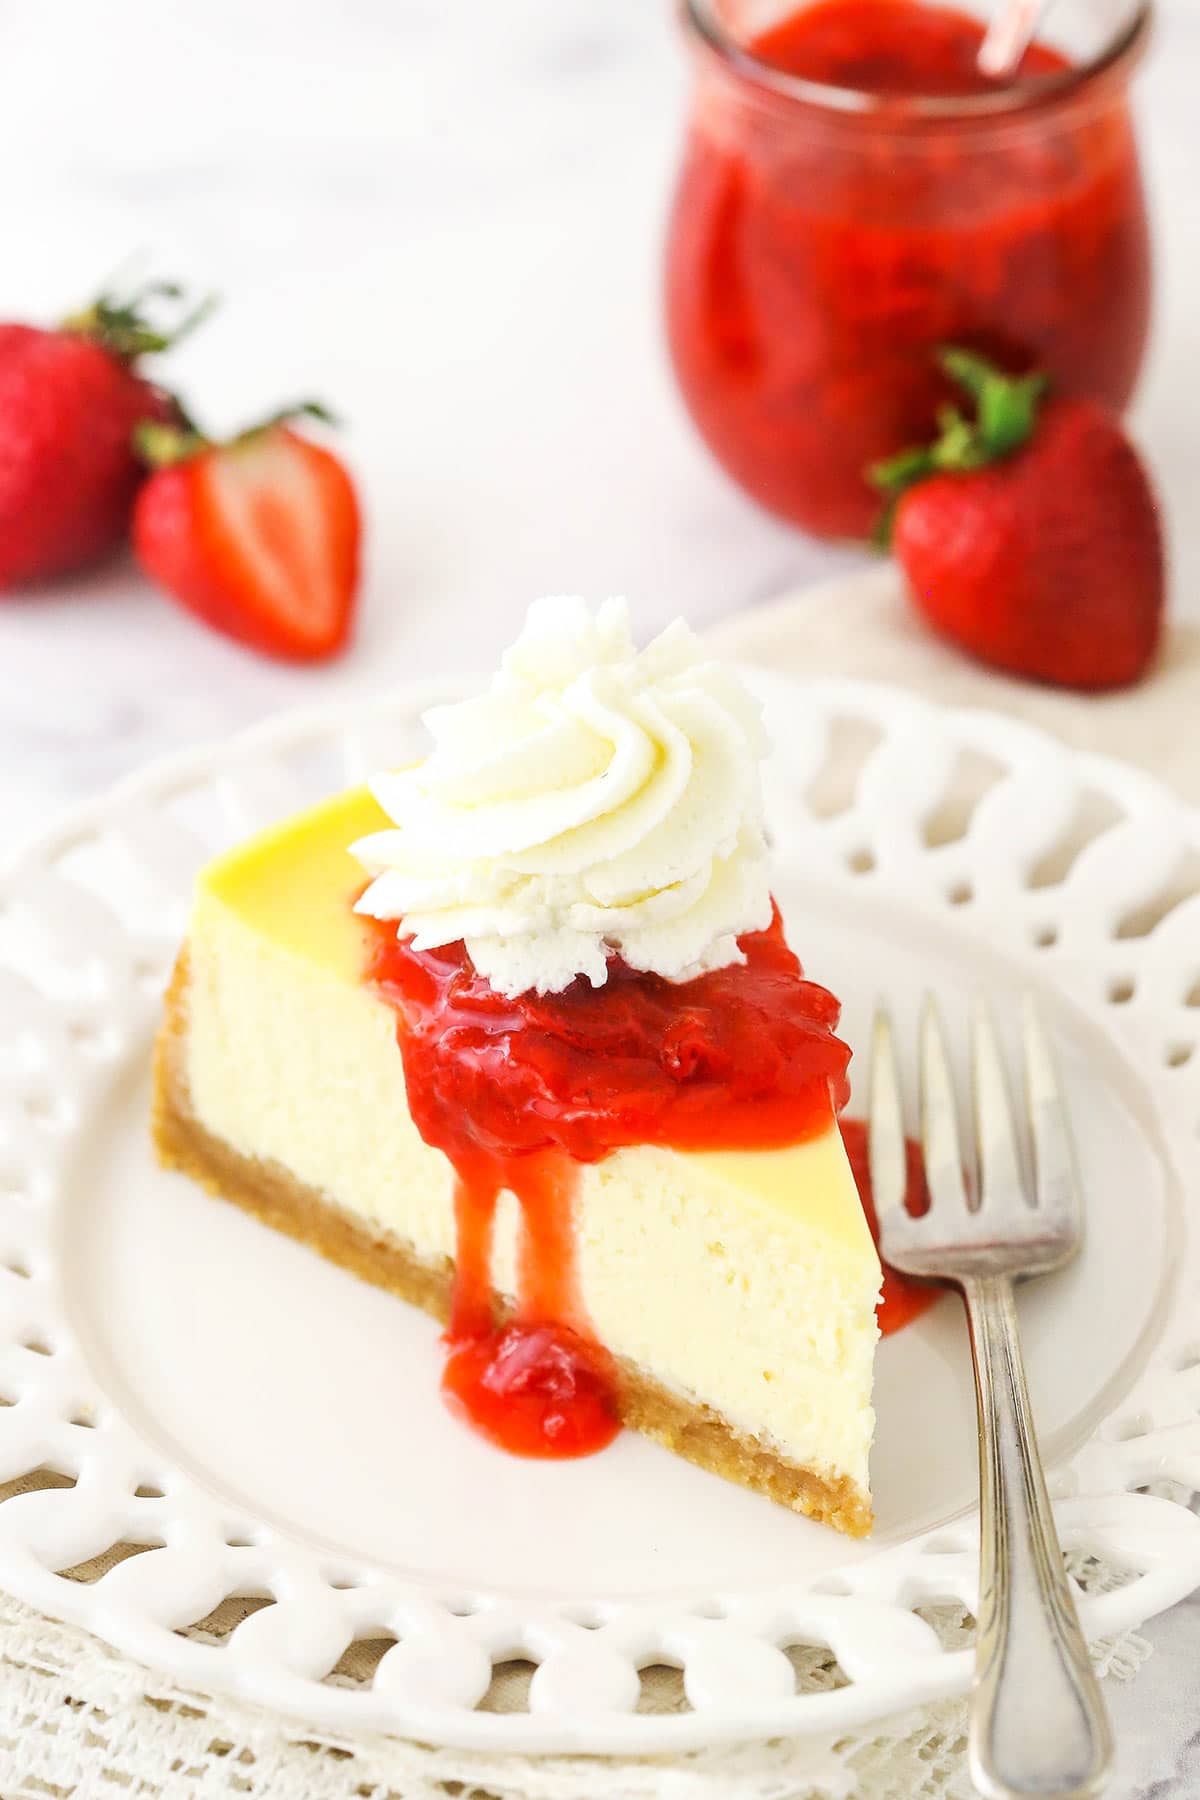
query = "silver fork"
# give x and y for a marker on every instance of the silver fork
(1038, 1724)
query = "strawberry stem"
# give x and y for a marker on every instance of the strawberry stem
(1005, 405)
(119, 323)
(1006, 408)
(161, 446)
(299, 409)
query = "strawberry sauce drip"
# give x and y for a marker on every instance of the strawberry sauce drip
(533, 1389)
(902, 1299)
(538, 1385)
(519, 1092)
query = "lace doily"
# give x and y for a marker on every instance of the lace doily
(77, 1721)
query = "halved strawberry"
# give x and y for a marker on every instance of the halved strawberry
(259, 537)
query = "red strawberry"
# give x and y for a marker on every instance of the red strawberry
(1030, 534)
(70, 401)
(258, 536)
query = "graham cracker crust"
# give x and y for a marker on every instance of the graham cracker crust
(270, 1193)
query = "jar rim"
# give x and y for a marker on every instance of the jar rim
(1014, 100)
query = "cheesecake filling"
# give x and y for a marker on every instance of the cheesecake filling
(520, 1092)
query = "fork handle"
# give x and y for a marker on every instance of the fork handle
(1038, 1724)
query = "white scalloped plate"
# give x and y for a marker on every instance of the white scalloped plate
(273, 1429)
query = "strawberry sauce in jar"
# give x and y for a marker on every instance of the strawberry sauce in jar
(855, 194)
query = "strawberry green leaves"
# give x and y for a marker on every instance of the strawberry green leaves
(1004, 416)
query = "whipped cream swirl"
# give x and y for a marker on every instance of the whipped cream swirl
(594, 800)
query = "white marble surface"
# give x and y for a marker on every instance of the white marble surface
(444, 216)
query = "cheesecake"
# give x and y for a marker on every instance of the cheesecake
(516, 1033)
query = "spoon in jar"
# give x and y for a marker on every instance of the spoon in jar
(1008, 37)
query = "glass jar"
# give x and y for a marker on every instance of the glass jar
(825, 241)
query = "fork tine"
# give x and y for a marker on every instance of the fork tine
(939, 1116)
(1056, 1174)
(885, 1117)
(1000, 1174)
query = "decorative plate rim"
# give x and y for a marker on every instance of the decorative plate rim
(427, 1686)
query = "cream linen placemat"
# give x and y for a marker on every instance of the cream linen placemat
(864, 627)
(78, 1722)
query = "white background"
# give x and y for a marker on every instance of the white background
(444, 217)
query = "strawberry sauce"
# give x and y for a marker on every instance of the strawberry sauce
(519, 1092)
(893, 48)
(818, 257)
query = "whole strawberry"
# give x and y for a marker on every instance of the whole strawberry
(1029, 534)
(70, 401)
(259, 536)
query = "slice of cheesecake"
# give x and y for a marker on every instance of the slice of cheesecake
(517, 1034)
(731, 1291)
